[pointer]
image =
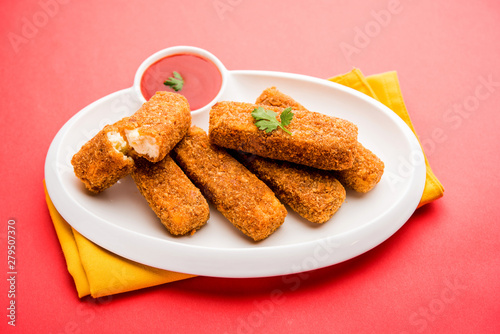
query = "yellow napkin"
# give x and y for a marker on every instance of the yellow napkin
(385, 88)
(98, 272)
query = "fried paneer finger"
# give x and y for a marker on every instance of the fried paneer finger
(160, 123)
(313, 193)
(273, 97)
(238, 194)
(365, 173)
(367, 168)
(181, 207)
(103, 160)
(317, 140)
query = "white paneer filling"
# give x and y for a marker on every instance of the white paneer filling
(118, 142)
(143, 145)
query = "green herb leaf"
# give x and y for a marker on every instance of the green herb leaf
(266, 119)
(176, 82)
(286, 116)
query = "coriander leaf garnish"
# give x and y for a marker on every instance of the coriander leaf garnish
(266, 119)
(286, 116)
(176, 82)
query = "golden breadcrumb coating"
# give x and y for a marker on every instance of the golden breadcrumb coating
(365, 173)
(102, 161)
(160, 123)
(367, 168)
(273, 97)
(317, 140)
(314, 194)
(181, 207)
(237, 193)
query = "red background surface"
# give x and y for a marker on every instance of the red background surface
(443, 50)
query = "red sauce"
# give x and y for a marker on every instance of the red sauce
(202, 79)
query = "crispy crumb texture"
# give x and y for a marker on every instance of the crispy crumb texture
(317, 140)
(367, 169)
(102, 161)
(237, 193)
(313, 193)
(160, 123)
(365, 173)
(273, 97)
(181, 207)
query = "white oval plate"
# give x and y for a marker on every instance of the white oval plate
(120, 220)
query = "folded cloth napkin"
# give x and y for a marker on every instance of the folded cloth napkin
(385, 88)
(98, 272)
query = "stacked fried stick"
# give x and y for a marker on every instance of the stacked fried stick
(246, 173)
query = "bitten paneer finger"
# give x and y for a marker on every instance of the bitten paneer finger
(160, 123)
(367, 168)
(103, 160)
(317, 140)
(313, 193)
(237, 193)
(181, 207)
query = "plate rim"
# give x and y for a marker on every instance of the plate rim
(244, 252)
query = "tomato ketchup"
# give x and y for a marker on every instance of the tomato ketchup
(202, 79)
